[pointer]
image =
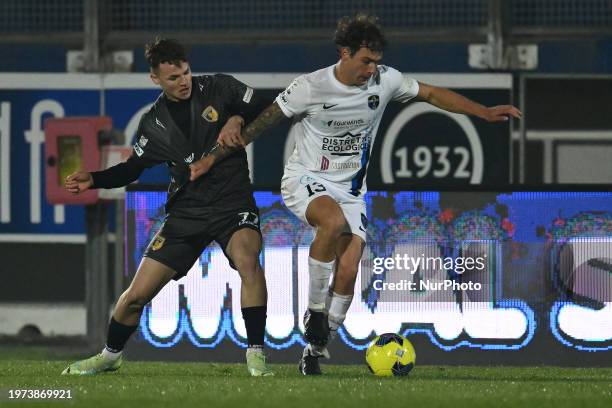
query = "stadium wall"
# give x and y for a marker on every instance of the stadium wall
(592, 56)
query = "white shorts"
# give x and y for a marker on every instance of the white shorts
(298, 190)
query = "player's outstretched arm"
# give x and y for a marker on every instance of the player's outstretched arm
(225, 146)
(453, 102)
(118, 175)
(78, 182)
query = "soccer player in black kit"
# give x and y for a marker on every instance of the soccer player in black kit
(182, 125)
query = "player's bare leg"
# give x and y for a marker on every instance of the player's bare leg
(150, 278)
(244, 248)
(328, 219)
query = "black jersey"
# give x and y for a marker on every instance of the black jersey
(159, 139)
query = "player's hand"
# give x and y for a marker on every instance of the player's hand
(78, 182)
(502, 113)
(230, 134)
(201, 167)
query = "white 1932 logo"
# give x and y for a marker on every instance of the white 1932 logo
(431, 161)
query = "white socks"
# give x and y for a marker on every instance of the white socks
(110, 356)
(319, 273)
(321, 298)
(337, 307)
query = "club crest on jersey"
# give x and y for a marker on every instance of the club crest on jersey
(210, 114)
(143, 141)
(158, 242)
(373, 101)
(189, 158)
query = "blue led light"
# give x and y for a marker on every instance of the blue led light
(554, 328)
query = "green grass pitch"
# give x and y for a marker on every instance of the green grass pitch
(159, 384)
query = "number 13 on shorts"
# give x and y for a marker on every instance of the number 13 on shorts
(314, 187)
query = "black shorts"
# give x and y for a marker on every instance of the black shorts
(180, 241)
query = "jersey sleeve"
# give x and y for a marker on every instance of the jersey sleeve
(403, 88)
(119, 175)
(243, 99)
(294, 100)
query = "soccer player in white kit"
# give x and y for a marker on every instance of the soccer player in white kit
(336, 112)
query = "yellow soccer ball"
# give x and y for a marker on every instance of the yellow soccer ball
(390, 355)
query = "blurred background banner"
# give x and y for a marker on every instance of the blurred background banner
(545, 294)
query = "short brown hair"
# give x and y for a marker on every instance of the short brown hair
(360, 31)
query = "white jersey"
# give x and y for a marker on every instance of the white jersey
(334, 125)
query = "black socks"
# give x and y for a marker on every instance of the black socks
(255, 322)
(118, 335)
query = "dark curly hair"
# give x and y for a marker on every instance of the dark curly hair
(163, 50)
(360, 31)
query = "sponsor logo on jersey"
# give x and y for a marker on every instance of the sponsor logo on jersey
(331, 105)
(348, 123)
(189, 158)
(324, 163)
(143, 141)
(346, 144)
(210, 114)
(158, 242)
(247, 95)
(373, 101)
(158, 122)
(138, 150)
(352, 165)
